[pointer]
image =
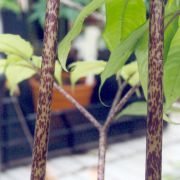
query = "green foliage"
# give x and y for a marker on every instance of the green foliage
(36, 61)
(14, 44)
(130, 73)
(20, 63)
(141, 53)
(121, 53)
(57, 73)
(11, 5)
(134, 109)
(171, 29)
(126, 32)
(85, 68)
(123, 30)
(65, 45)
(16, 73)
(71, 14)
(123, 17)
(14, 69)
(140, 109)
(172, 72)
(39, 9)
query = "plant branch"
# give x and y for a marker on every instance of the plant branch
(119, 106)
(118, 94)
(22, 121)
(89, 116)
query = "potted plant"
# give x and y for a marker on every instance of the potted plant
(134, 40)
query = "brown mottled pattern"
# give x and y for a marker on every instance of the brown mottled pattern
(45, 93)
(155, 92)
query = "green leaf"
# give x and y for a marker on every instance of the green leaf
(123, 17)
(135, 109)
(121, 54)
(37, 61)
(130, 73)
(11, 58)
(172, 72)
(17, 72)
(140, 109)
(57, 72)
(14, 44)
(170, 31)
(39, 9)
(65, 45)
(141, 53)
(172, 6)
(85, 68)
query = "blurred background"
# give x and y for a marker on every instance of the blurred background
(73, 140)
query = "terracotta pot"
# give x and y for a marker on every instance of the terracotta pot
(81, 92)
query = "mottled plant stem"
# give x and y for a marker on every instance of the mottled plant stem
(88, 115)
(155, 91)
(45, 93)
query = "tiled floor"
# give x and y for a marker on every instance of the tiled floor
(125, 161)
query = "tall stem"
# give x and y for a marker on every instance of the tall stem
(45, 92)
(102, 153)
(155, 92)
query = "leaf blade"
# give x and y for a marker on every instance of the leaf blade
(123, 17)
(85, 68)
(65, 44)
(14, 44)
(121, 54)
